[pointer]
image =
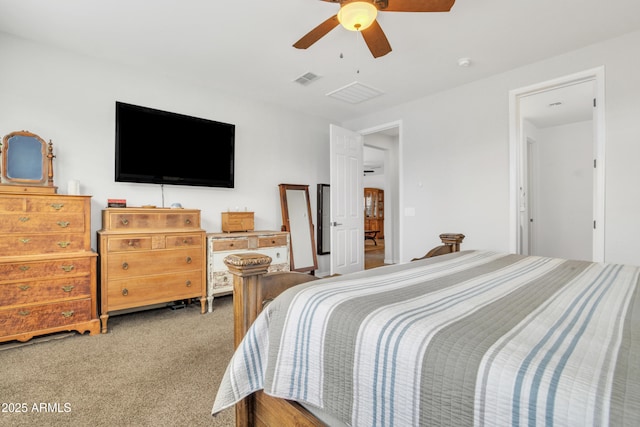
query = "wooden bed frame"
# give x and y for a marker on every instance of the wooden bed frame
(252, 288)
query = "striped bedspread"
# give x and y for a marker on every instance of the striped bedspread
(471, 338)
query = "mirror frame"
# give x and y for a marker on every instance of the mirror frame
(324, 208)
(44, 160)
(307, 247)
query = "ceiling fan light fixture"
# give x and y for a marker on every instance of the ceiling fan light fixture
(357, 15)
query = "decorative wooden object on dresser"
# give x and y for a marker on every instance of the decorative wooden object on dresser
(47, 267)
(150, 256)
(219, 245)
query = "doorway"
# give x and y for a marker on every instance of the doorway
(391, 133)
(381, 170)
(557, 168)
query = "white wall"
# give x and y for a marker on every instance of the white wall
(455, 148)
(71, 100)
(456, 143)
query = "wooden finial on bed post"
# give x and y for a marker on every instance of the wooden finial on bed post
(451, 242)
(452, 239)
(246, 268)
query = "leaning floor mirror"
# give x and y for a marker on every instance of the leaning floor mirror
(296, 219)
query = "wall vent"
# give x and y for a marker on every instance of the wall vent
(355, 93)
(307, 78)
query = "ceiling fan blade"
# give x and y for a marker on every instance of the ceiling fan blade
(419, 6)
(317, 33)
(376, 40)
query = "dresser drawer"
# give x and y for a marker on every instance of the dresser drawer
(230, 244)
(42, 223)
(115, 244)
(154, 289)
(34, 317)
(40, 291)
(42, 203)
(132, 264)
(149, 219)
(50, 269)
(56, 204)
(183, 240)
(270, 241)
(26, 244)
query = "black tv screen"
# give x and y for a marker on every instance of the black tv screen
(160, 147)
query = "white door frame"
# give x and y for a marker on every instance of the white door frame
(517, 156)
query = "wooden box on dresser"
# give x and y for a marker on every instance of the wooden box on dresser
(219, 245)
(47, 267)
(150, 256)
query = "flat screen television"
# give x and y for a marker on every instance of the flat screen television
(160, 147)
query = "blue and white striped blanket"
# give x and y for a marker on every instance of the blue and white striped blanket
(472, 338)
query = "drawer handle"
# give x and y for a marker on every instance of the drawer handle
(125, 292)
(273, 242)
(125, 265)
(24, 312)
(24, 287)
(68, 288)
(24, 219)
(124, 221)
(277, 254)
(185, 241)
(67, 314)
(188, 260)
(188, 283)
(63, 224)
(64, 244)
(57, 206)
(67, 268)
(187, 221)
(132, 243)
(25, 241)
(24, 267)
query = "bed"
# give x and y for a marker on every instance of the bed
(462, 338)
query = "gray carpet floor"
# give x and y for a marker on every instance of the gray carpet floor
(158, 367)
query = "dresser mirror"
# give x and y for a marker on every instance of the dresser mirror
(323, 216)
(296, 219)
(27, 160)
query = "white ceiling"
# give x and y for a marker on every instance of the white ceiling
(245, 46)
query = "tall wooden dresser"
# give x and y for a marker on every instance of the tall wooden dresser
(150, 256)
(374, 211)
(47, 267)
(219, 245)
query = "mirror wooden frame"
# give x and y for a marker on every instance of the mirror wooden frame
(27, 160)
(297, 220)
(323, 215)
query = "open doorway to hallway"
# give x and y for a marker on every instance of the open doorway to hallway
(380, 191)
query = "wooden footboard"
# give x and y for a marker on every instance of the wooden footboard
(252, 288)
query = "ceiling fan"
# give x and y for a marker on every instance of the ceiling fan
(360, 15)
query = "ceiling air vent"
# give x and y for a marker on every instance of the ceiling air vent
(307, 78)
(355, 93)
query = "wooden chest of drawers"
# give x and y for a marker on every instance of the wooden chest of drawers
(47, 268)
(219, 245)
(150, 256)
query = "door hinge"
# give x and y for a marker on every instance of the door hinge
(594, 103)
(594, 163)
(594, 224)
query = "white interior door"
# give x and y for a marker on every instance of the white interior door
(347, 210)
